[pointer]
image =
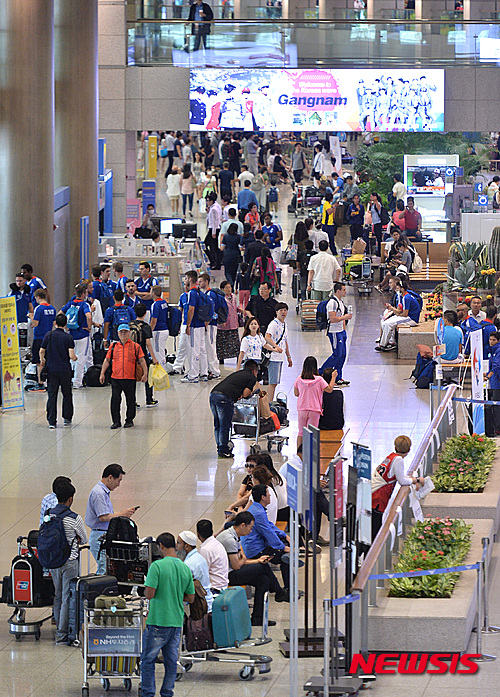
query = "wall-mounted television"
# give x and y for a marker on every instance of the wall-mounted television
(316, 100)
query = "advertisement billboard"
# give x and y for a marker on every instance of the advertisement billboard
(316, 100)
(430, 175)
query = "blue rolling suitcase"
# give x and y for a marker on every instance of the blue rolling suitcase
(231, 618)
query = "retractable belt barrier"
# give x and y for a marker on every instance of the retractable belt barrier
(424, 572)
(476, 401)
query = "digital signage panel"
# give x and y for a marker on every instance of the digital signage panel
(316, 100)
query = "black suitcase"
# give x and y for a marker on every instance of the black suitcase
(295, 285)
(86, 588)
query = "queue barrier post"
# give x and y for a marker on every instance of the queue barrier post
(326, 645)
(487, 628)
(483, 657)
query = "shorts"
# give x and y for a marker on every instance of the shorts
(35, 351)
(274, 371)
(307, 418)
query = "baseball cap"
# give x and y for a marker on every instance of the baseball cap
(123, 327)
(188, 537)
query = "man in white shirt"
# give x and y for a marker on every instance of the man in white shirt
(323, 272)
(277, 337)
(215, 555)
(475, 309)
(399, 189)
(337, 317)
(316, 236)
(186, 550)
(245, 175)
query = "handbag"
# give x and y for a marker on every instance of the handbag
(255, 276)
(163, 152)
(138, 369)
(292, 252)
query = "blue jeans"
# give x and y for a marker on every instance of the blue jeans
(337, 359)
(95, 546)
(61, 578)
(187, 198)
(222, 408)
(156, 639)
(331, 231)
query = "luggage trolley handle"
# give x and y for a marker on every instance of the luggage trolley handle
(80, 550)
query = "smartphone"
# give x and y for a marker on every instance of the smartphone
(136, 507)
(229, 512)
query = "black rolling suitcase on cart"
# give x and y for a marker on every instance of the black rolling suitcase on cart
(86, 588)
(295, 285)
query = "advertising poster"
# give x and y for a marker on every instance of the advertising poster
(477, 370)
(316, 100)
(12, 384)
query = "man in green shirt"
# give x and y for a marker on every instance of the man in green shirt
(169, 584)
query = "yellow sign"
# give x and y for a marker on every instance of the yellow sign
(12, 383)
(152, 156)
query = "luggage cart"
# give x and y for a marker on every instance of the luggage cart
(109, 650)
(246, 423)
(361, 283)
(129, 562)
(248, 661)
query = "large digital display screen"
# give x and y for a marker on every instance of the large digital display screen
(430, 175)
(316, 100)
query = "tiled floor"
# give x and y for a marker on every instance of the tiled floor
(175, 477)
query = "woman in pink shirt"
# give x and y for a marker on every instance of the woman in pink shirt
(309, 388)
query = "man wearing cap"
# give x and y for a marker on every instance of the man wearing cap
(123, 356)
(186, 550)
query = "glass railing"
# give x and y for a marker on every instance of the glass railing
(280, 43)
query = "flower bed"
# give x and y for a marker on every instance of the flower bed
(433, 305)
(432, 544)
(464, 464)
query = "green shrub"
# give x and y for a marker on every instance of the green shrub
(464, 464)
(432, 544)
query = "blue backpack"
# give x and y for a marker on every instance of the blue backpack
(273, 194)
(174, 320)
(121, 315)
(106, 298)
(221, 307)
(417, 297)
(423, 372)
(53, 547)
(469, 325)
(321, 315)
(205, 308)
(73, 314)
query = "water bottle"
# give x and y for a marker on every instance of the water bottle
(349, 309)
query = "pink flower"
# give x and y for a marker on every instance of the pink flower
(441, 553)
(421, 537)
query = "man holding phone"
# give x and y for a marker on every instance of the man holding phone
(100, 511)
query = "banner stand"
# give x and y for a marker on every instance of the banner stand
(11, 378)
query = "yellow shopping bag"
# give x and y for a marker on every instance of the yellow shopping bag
(158, 377)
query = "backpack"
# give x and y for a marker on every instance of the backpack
(417, 297)
(273, 194)
(423, 372)
(136, 333)
(205, 308)
(495, 202)
(321, 315)
(121, 315)
(106, 296)
(121, 529)
(53, 547)
(221, 307)
(384, 216)
(417, 264)
(174, 320)
(257, 183)
(73, 314)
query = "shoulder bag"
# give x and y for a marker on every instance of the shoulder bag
(266, 353)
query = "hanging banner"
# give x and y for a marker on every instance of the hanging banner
(12, 384)
(477, 370)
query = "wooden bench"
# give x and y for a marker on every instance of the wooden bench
(435, 259)
(330, 442)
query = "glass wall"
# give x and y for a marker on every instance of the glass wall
(271, 43)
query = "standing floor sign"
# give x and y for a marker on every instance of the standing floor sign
(362, 458)
(477, 370)
(12, 384)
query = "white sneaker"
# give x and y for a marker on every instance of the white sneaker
(186, 378)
